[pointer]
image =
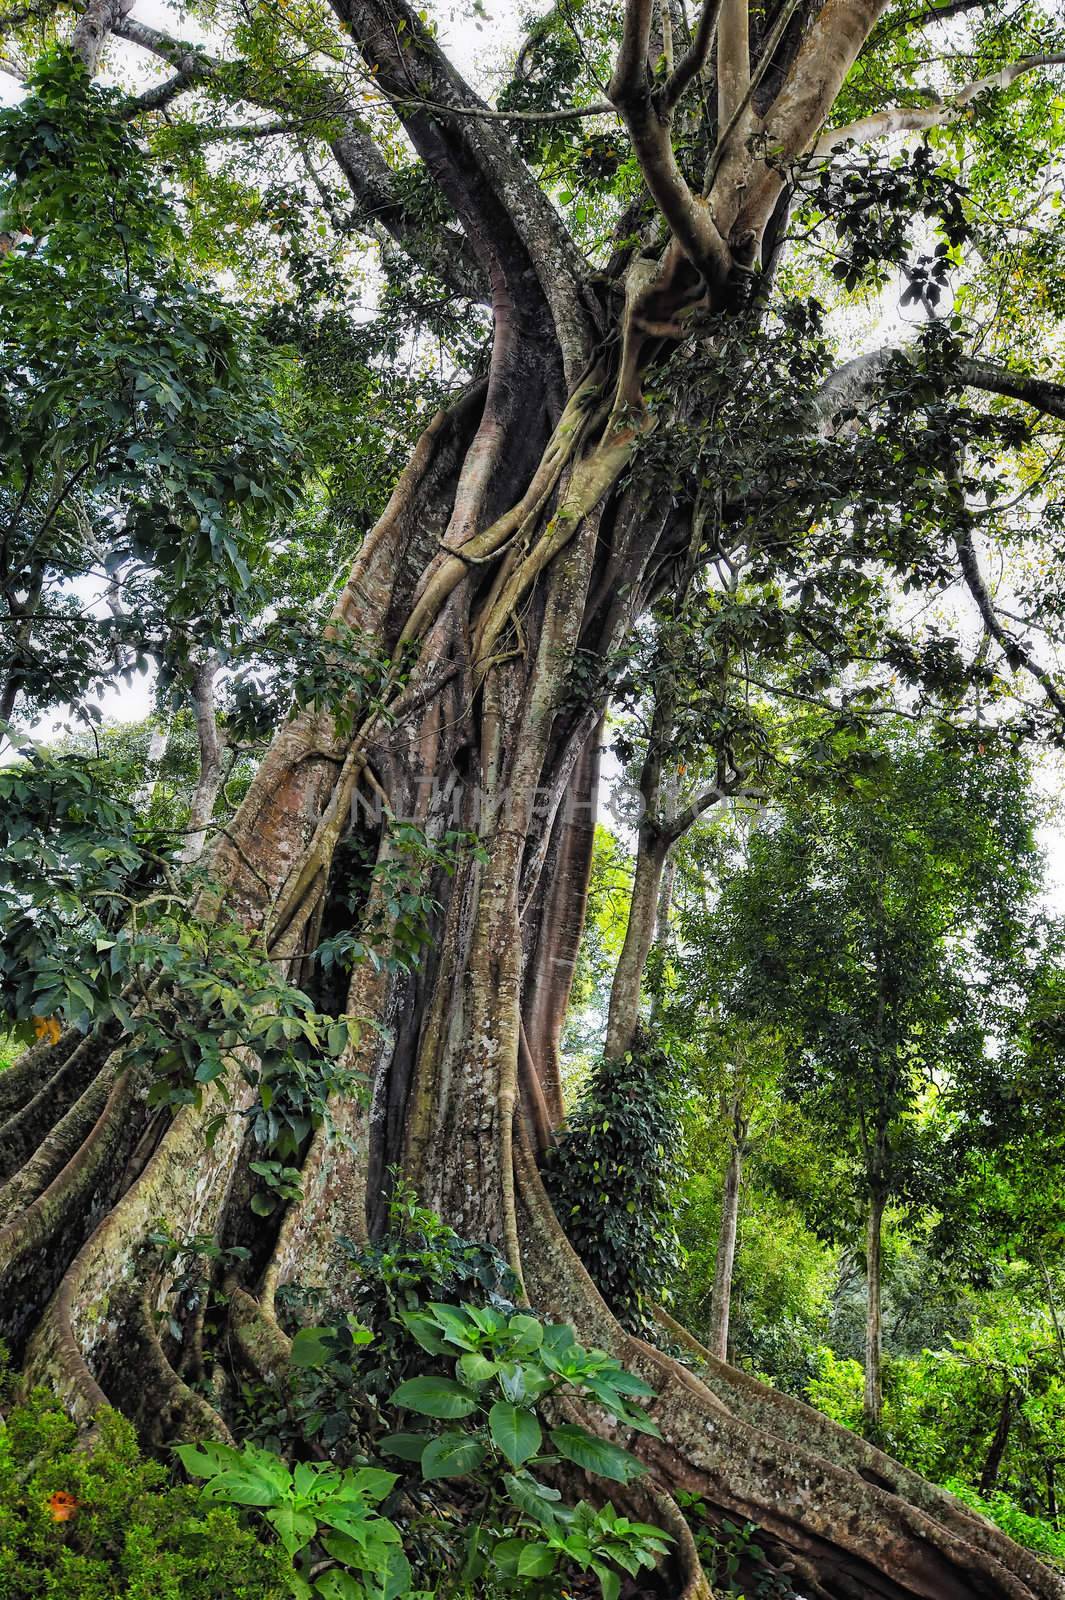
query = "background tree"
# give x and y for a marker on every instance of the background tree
(869, 923)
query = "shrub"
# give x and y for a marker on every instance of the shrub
(107, 1524)
(1035, 1533)
(612, 1176)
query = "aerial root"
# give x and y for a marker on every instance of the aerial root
(59, 1147)
(165, 1406)
(788, 1419)
(29, 1125)
(33, 1068)
(257, 1336)
(858, 1532)
(37, 1245)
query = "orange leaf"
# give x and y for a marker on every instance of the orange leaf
(64, 1507)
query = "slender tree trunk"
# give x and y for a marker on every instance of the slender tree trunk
(873, 1400)
(997, 1448)
(624, 1012)
(726, 1244)
(209, 778)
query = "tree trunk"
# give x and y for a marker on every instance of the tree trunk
(997, 1448)
(209, 778)
(726, 1247)
(873, 1400)
(624, 1013)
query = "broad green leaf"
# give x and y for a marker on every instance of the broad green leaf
(336, 1584)
(609, 1581)
(453, 1455)
(475, 1368)
(535, 1499)
(434, 1397)
(515, 1431)
(370, 1483)
(536, 1561)
(294, 1528)
(405, 1446)
(310, 1347)
(607, 1460)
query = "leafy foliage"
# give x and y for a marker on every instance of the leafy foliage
(610, 1177)
(108, 1523)
(312, 1508)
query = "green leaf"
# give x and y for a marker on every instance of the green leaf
(309, 1348)
(368, 1483)
(506, 1555)
(203, 1460)
(453, 1455)
(609, 1581)
(528, 1334)
(241, 1488)
(434, 1397)
(294, 1528)
(607, 1460)
(336, 1584)
(396, 1577)
(424, 1329)
(515, 1431)
(536, 1561)
(535, 1499)
(476, 1368)
(405, 1446)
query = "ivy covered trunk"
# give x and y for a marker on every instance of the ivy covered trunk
(522, 541)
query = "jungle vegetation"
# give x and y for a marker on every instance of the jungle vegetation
(537, 1067)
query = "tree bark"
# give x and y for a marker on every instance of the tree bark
(999, 1441)
(873, 1398)
(209, 778)
(464, 744)
(624, 1012)
(721, 1300)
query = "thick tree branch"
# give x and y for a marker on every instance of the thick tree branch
(735, 788)
(1039, 393)
(94, 27)
(513, 229)
(805, 100)
(192, 64)
(371, 180)
(733, 59)
(630, 70)
(739, 117)
(915, 119)
(648, 124)
(696, 57)
(1014, 649)
(853, 384)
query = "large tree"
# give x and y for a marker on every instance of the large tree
(655, 392)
